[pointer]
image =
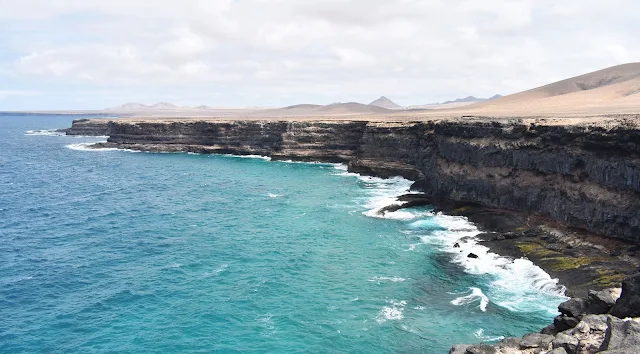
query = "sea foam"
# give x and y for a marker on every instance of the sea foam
(518, 285)
(44, 132)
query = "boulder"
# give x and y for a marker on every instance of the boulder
(550, 329)
(590, 332)
(628, 305)
(558, 351)
(509, 342)
(564, 322)
(601, 302)
(536, 340)
(459, 349)
(472, 255)
(621, 334)
(575, 307)
(481, 349)
(566, 342)
(634, 350)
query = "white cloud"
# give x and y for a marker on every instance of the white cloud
(323, 50)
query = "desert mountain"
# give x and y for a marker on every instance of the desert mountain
(611, 90)
(471, 99)
(458, 102)
(134, 106)
(349, 108)
(385, 103)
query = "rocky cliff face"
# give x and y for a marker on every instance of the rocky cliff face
(90, 127)
(584, 177)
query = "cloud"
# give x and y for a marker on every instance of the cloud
(288, 51)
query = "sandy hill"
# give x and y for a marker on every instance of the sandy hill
(385, 103)
(612, 90)
(349, 108)
(457, 103)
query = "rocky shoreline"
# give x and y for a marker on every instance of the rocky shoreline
(566, 197)
(597, 318)
(606, 321)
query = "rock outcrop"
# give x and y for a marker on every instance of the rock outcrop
(594, 329)
(582, 176)
(88, 127)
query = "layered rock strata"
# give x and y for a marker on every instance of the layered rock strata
(586, 177)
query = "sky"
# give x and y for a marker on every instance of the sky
(85, 54)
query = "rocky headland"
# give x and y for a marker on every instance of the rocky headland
(564, 193)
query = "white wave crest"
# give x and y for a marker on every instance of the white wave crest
(45, 132)
(484, 338)
(519, 284)
(391, 279)
(266, 158)
(393, 312)
(87, 147)
(476, 295)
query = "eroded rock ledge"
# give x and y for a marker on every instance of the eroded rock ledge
(586, 177)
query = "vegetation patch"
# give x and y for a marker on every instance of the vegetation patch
(536, 249)
(608, 278)
(463, 209)
(567, 263)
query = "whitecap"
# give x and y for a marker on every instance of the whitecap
(518, 285)
(393, 312)
(391, 279)
(220, 269)
(266, 158)
(273, 195)
(87, 147)
(484, 338)
(476, 295)
(44, 132)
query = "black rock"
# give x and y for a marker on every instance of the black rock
(481, 349)
(456, 245)
(550, 329)
(459, 349)
(472, 255)
(575, 307)
(600, 302)
(564, 322)
(511, 235)
(628, 305)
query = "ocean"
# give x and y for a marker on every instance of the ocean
(128, 252)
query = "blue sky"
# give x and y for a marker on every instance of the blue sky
(74, 54)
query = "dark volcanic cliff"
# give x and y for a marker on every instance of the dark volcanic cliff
(585, 177)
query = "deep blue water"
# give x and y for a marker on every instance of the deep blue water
(116, 251)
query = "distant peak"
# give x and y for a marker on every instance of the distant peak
(384, 102)
(164, 105)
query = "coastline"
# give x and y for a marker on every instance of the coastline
(562, 252)
(581, 260)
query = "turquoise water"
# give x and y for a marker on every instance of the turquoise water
(116, 251)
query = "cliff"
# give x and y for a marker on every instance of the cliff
(583, 176)
(91, 127)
